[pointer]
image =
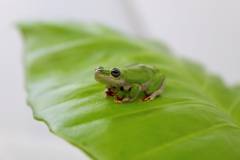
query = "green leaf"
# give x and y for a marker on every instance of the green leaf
(196, 118)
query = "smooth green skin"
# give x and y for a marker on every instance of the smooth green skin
(197, 117)
(135, 80)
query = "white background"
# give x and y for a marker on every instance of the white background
(207, 31)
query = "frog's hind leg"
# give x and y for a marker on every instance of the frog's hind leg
(155, 93)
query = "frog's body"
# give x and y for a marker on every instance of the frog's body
(128, 83)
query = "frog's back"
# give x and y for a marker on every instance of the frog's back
(139, 73)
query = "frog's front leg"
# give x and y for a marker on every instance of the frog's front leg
(128, 95)
(110, 91)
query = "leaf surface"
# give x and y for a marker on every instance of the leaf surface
(197, 117)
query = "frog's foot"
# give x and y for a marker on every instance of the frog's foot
(149, 98)
(123, 100)
(154, 94)
(126, 99)
(118, 99)
(109, 92)
(145, 98)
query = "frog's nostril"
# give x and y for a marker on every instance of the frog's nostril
(100, 68)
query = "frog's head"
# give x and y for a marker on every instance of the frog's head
(109, 77)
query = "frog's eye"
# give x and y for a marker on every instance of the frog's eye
(115, 72)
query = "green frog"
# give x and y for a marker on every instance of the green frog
(131, 82)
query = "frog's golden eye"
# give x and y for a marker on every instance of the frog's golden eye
(115, 72)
